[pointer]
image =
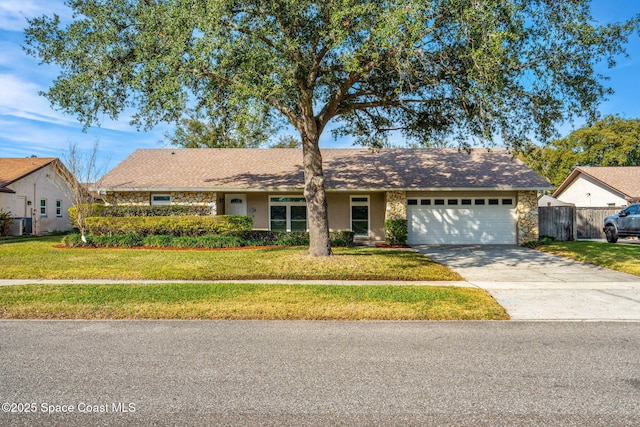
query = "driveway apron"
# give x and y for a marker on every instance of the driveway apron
(533, 285)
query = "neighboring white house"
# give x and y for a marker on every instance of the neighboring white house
(547, 200)
(33, 191)
(611, 186)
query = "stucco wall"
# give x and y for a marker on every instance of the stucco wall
(42, 184)
(586, 192)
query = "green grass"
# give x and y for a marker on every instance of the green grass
(39, 259)
(247, 301)
(624, 258)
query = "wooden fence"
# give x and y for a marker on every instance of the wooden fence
(568, 222)
(589, 221)
(557, 222)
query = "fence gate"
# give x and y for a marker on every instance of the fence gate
(557, 222)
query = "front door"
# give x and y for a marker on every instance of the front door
(236, 204)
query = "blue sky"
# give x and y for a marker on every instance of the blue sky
(29, 126)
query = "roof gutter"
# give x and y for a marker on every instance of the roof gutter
(300, 189)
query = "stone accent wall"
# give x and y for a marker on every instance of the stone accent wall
(194, 198)
(527, 216)
(135, 198)
(143, 198)
(396, 202)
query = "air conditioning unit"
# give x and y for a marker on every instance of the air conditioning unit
(17, 227)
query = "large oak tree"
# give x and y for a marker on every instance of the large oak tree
(466, 70)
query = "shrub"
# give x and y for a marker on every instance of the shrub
(146, 210)
(93, 209)
(75, 241)
(292, 239)
(128, 240)
(252, 238)
(396, 231)
(6, 221)
(342, 238)
(209, 242)
(157, 241)
(542, 240)
(170, 225)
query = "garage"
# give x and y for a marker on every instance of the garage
(461, 221)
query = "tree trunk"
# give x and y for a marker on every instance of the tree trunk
(314, 193)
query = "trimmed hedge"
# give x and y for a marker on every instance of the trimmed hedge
(258, 238)
(169, 225)
(173, 210)
(93, 209)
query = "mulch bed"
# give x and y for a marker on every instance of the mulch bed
(386, 245)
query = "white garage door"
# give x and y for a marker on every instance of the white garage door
(461, 221)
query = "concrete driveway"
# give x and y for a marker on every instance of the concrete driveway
(533, 285)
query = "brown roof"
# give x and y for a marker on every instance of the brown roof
(270, 169)
(12, 169)
(622, 179)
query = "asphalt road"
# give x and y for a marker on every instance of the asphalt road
(319, 373)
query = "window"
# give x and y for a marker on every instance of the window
(439, 202)
(360, 216)
(59, 208)
(494, 202)
(479, 201)
(452, 201)
(466, 201)
(287, 214)
(425, 202)
(507, 201)
(43, 207)
(160, 199)
(412, 202)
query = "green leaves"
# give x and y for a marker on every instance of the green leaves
(431, 69)
(612, 141)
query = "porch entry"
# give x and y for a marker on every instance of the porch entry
(235, 204)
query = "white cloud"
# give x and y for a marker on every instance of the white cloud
(20, 99)
(14, 14)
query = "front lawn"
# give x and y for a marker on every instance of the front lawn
(620, 257)
(247, 301)
(39, 259)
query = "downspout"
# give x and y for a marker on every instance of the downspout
(33, 212)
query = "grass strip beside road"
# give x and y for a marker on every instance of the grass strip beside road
(619, 257)
(40, 259)
(247, 301)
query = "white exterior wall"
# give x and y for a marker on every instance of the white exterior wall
(41, 184)
(586, 192)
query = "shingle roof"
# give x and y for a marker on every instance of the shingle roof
(623, 179)
(12, 169)
(270, 169)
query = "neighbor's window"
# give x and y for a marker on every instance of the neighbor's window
(59, 208)
(43, 207)
(360, 216)
(160, 199)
